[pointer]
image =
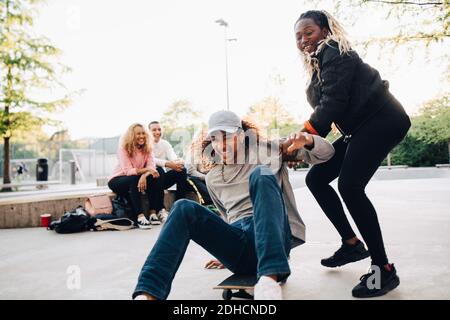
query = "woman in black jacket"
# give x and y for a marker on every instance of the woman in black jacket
(349, 93)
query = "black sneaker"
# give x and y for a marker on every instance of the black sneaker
(367, 288)
(143, 223)
(346, 253)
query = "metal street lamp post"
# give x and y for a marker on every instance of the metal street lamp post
(224, 24)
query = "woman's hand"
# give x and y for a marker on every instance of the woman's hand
(214, 264)
(297, 141)
(154, 173)
(142, 171)
(142, 183)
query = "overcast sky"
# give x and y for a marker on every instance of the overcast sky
(135, 57)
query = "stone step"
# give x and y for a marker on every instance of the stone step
(25, 212)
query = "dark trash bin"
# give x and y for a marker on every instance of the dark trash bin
(42, 170)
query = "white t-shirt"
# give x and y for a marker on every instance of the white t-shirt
(163, 152)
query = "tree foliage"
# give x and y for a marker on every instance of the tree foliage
(427, 142)
(433, 123)
(419, 21)
(28, 66)
(180, 121)
(180, 114)
(29, 70)
(270, 114)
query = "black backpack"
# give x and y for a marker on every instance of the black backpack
(77, 220)
(122, 207)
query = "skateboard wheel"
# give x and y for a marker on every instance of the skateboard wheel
(227, 294)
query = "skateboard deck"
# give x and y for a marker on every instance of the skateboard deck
(235, 286)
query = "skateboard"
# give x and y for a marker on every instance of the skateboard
(235, 286)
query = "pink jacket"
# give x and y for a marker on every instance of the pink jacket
(128, 166)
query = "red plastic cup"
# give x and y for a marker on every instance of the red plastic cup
(46, 218)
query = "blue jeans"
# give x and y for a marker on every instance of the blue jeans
(257, 244)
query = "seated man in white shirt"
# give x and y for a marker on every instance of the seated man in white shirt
(171, 171)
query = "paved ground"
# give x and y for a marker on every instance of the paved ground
(414, 214)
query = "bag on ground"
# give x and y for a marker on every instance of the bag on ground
(98, 204)
(77, 220)
(111, 222)
(121, 207)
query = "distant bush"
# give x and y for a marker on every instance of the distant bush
(427, 142)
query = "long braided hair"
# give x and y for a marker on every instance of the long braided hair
(336, 33)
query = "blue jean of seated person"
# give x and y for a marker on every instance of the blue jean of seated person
(258, 244)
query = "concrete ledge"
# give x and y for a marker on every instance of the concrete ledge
(58, 196)
(29, 184)
(394, 167)
(25, 212)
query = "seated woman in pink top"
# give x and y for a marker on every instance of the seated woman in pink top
(136, 171)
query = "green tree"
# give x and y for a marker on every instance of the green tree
(416, 153)
(180, 114)
(433, 124)
(28, 68)
(427, 141)
(180, 121)
(28, 143)
(420, 21)
(419, 26)
(270, 114)
(61, 140)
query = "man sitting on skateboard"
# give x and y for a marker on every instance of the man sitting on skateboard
(249, 185)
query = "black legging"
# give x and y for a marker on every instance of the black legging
(355, 163)
(127, 186)
(202, 189)
(167, 179)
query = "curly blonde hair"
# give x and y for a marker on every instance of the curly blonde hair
(128, 140)
(336, 33)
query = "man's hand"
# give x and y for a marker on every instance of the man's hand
(214, 264)
(176, 165)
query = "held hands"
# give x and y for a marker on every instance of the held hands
(214, 264)
(297, 141)
(293, 143)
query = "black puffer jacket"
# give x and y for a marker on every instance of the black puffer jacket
(349, 92)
